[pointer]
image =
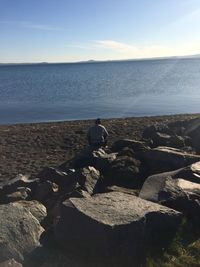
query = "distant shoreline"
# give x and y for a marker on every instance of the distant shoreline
(91, 61)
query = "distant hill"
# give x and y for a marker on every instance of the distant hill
(96, 61)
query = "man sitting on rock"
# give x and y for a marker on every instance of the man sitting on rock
(97, 135)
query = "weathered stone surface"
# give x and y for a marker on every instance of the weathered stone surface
(96, 158)
(174, 190)
(115, 226)
(19, 232)
(66, 180)
(88, 178)
(190, 173)
(125, 190)
(102, 160)
(22, 193)
(163, 159)
(34, 207)
(132, 144)
(11, 186)
(150, 131)
(162, 139)
(125, 172)
(10, 263)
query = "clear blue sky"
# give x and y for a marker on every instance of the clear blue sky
(73, 30)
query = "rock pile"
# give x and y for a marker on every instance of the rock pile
(107, 207)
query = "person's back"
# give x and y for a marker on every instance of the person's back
(97, 134)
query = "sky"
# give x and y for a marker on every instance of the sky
(79, 30)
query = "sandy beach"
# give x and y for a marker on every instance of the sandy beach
(27, 148)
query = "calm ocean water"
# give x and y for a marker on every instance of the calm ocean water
(36, 93)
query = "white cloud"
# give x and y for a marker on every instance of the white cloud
(110, 49)
(117, 46)
(155, 50)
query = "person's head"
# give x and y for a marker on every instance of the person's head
(98, 121)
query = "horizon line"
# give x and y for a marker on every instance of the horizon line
(103, 60)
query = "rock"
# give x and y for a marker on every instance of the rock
(22, 193)
(88, 179)
(132, 144)
(162, 139)
(79, 193)
(150, 131)
(102, 160)
(34, 207)
(125, 172)
(163, 159)
(115, 188)
(99, 159)
(114, 226)
(66, 180)
(10, 263)
(173, 190)
(190, 173)
(45, 190)
(11, 186)
(20, 232)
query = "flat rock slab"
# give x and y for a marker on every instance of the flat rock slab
(115, 225)
(163, 159)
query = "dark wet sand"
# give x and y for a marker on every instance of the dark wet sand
(27, 148)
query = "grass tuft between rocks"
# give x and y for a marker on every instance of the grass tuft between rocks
(183, 251)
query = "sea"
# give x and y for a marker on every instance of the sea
(75, 91)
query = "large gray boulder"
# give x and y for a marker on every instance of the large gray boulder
(114, 226)
(163, 159)
(178, 189)
(124, 171)
(20, 232)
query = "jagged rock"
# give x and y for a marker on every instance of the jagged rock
(34, 207)
(102, 160)
(66, 180)
(22, 193)
(162, 139)
(88, 179)
(125, 172)
(45, 190)
(190, 173)
(19, 232)
(150, 131)
(11, 186)
(10, 263)
(96, 158)
(163, 159)
(114, 226)
(175, 190)
(132, 144)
